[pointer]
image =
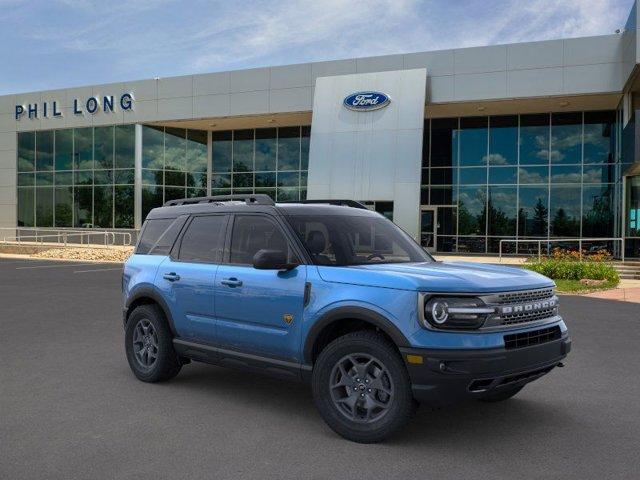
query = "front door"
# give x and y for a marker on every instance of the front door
(259, 311)
(428, 222)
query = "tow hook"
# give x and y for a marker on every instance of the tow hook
(560, 364)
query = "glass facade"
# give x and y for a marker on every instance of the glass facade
(174, 165)
(81, 177)
(521, 177)
(273, 161)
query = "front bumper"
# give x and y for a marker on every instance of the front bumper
(447, 376)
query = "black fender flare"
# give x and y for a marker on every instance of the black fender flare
(349, 313)
(150, 293)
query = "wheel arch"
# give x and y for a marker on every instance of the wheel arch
(148, 296)
(334, 319)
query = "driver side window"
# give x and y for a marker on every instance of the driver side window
(252, 233)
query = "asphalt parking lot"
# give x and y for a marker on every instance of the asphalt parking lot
(70, 408)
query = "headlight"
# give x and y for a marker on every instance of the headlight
(455, 312)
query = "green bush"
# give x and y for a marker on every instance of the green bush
(572, 270)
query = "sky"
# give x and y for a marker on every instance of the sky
(48, 44)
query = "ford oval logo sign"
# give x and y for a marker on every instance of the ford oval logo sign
(366, 101)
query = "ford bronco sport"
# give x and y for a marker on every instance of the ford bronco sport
(336, 295)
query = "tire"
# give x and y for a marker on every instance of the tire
(367, 409)
(501, 395)
(147, 329)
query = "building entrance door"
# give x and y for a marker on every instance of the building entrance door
(428, 222)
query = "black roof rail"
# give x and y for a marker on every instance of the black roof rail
(257, 199)
(342, 203)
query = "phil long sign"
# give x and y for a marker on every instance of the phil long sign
(366, 101)
(91, 105)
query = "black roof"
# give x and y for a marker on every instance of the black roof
(257, 203)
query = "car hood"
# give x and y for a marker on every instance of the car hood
(438, 277)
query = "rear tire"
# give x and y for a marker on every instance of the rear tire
(501, 395)
(361, 387)
(149, 345)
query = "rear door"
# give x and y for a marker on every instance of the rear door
(187, 277)
(259, 311)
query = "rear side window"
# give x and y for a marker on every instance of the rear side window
(203, 240)
(151, 233)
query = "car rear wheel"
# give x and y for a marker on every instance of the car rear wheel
(361, 387)
(149, 345)
(501, 395)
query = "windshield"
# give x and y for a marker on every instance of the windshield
(343, 240)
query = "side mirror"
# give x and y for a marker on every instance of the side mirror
(272, 260)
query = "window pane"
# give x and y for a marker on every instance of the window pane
(102, 177)
(473, 176)
(597, 211)
(197, 179)
(605, 173)
(220, 181)
(151, 198)
(26, 179)
(502, 210)
(64, 150)
(533, 213)
(153, 177)
(503, 140)
(243, 150)
(473, 141)
(565, 211)
(566, 138)
(443, 176)
(289, 148)
(26, 151)
(44, 179)
(175, 150)
(103, 147)
(124, 176)
(221, 151)
(571, 174)
(125, 151)
(103, 207)
(288, 194)
(44, 207)
(266, 179)
(83, 148)
(503, 175)
(152, 147)
(26, 202)
(444, 146)
(177, 179)
(534, 139)
(64, 206)
(174, 193)
(44, 150)
(472, 210)
(288, 179)
(266, 149)
(599, 141)
(442, 196)
(124, 206)
(196, 151)
(204, 239)
(243, 180)
(304, 147)
(534, 174)
(83, 206)
(252, 233)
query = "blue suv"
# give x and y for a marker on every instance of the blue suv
(338, 296)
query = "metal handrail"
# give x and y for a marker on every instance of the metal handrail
(108, 238)
(548, 241)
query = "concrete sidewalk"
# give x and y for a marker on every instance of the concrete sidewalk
(627, 291)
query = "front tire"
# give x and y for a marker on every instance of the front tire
(149, 345)
(362, 388)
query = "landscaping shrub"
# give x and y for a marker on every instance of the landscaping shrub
(566, 265)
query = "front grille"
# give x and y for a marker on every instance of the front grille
(525, 296)
(524, 317)
(535, 337)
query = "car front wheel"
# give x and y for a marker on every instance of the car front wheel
(361, 387)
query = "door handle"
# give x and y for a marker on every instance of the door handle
(172, 277)
(231, 282)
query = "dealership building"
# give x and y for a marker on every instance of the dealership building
(462, 148)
